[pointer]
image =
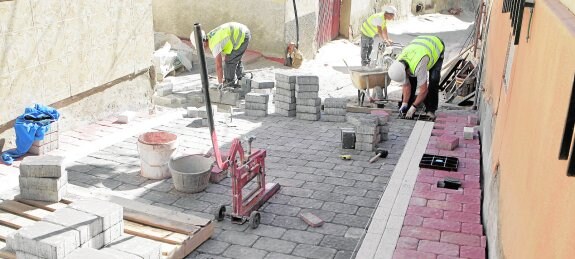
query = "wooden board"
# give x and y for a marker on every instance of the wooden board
(5, 253)
(179, 234)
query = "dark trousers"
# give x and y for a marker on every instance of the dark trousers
(366, 47)
(233, 66)
(432, 100)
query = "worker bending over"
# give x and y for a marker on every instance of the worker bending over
(231, 41)
(375, 24)
(424, 53)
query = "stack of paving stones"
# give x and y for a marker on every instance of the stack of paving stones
(202, 114)
(257, 104)
(308, 105)
(86, 223)
(49, 143)
(284, 97)
(383, 126)
(43, 178)
(334, 109)
(367, 130)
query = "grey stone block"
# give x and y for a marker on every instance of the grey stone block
(88, 225)
(285, 106)
(110, 213)
(286, 76)
(195, 101)
(96, 242)
(192, 112)
(367, 138)
(306, 95)
(245, 82)
(229, 98)
(364, 146)
(307, 80)
(308, 116)
(257, 106)
(44, 195)
(335, 111)
(203, 113)
(284, 92)
(284, 99)
(257, 98)
(309, 102)
(335, 103)
(366, 129)
(262, 84)
(144, 248)
(384, 136)
(308, 109)
(198, 123)
(45, 240)
(383, 129)
(286, 86)
(332, 118)
(43, 184)
(286, 113)
(91, 253)
(256, 113)
(163, 91)
(42, 166)
(307, 88)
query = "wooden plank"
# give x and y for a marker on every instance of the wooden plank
(5, 231)
(5, 252)
(159, 222)
(157, 234)
(45, 205)
(24, 210)
(14, 221)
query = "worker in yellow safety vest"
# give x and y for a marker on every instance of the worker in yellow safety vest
(375, 24)
(230, 41)
(424, 53)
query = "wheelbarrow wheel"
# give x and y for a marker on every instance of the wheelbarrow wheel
(255, 218)
(221, 213)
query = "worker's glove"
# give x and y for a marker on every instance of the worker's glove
(410, 112)
(403, 109)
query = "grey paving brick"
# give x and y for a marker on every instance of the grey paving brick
(283, 210)
(44, 195)
(285, 98)
(298, 192)
(131, 178)
(307, 87)
(332, 118)
(315, 252)
(309, 177)
(257, 98)
(80, 168)
(242, 252)
(307, 79)
(340, 243)
(351, 220)
(301, 169)
(284, 92)
(309, 102)
(374, 194)
(162, 197)
(219, 189)
(349, 168)
(38, 240)
(293, 161)
(326, 187)
(306, 203)
(289, 222)
(196, 255)
(364, 211)
(328, 196)
(340, 207)
(330, 173)
(110, 213)
(267, 218)
(350, 190)
(237, 238)
(339, 181)
(267, 231)
(355, 233)
(49, 184)
(281, 256)
(213, 247)
(303, 237)
(285, 85)
(280, 198)
(330, 229)
(370, 186)
(335, 102)
(42, 166)
(286, 76)
(344, 255)
(361, 201)
(289, 182)
(274, 245)
(216, 198)
(256, 106)
(320, 165)
(279, 172)
(191, 204)
(279, 104)
(381, 179)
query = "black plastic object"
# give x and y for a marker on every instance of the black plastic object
(348, 138)
(449, 183)
(439, 162)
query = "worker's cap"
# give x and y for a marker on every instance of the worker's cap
(396, 72)
(390, 9)
(193, 38)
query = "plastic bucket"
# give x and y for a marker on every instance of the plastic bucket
(155, 150)
(191, 173)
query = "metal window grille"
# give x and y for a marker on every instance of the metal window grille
(515, 8)
(567, 141)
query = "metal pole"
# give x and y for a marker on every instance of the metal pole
(296, 25)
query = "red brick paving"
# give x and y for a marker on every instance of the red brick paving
(442, 223)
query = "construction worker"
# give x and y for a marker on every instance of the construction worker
(424, 53)
(375, 24)
(231, 41)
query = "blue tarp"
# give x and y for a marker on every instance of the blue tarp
(29, 127)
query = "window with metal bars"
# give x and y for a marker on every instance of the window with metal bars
(516, 8)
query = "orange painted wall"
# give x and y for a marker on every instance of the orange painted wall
(536, 198)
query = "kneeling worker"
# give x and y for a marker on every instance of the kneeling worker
(230, 39)
(424, 53)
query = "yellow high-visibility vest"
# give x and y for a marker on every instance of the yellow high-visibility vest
(232, 30)
(370, 30)
(420, 47)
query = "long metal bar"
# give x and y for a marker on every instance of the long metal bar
(206, 89)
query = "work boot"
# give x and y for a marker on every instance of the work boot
(431, 115)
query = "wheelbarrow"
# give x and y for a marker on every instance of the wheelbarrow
(366, 78)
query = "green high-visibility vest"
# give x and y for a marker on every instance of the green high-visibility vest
(420, 47)
(370, 30)
(233, 31)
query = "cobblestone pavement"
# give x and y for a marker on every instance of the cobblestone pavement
(303, 157)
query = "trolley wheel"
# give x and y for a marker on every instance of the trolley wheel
(255, 218)
(221, 213)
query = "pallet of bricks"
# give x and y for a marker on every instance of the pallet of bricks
(49, 143)
(284, 97)
(370, 129)
(80, 226)
(308, 103)
(257, 104)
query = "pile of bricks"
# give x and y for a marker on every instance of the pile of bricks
(87, 223)
(43, 178)
(308, 105)
(202, 114)
(383, 126)
(334, 109)
(257, 104)
(284, 98)
(367, 130)
(49, 143)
